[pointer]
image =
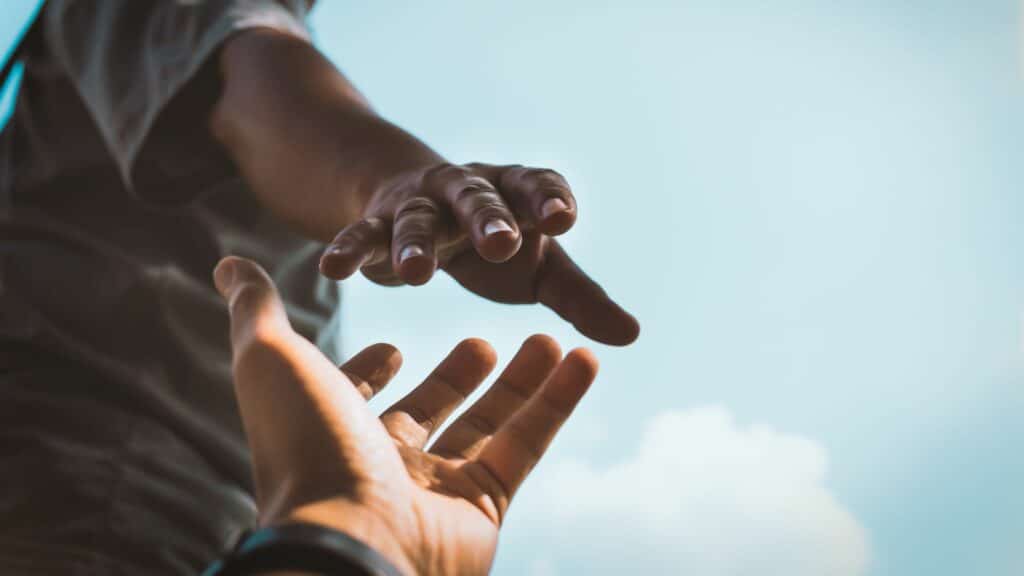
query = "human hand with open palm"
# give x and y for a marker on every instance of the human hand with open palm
(320, 455)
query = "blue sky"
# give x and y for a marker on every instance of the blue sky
(814, 209)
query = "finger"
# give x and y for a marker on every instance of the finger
(479, 210)
(417, 224)
(414, 418)
(360, 244)
(567, 290)
(255, 308)
(531, 366)
(372, 368)
(541, 195)
(518, 445)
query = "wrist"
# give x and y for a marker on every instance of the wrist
(301, 548)
(359, 523)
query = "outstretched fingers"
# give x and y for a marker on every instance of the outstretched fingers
(414, 418)
(520, 443)
(531, 366)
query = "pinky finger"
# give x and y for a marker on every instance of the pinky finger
(359, 244)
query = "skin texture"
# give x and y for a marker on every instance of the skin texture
(320, 456)
(318, 157)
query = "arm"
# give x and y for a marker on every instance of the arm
(317, 156)
(185, 92)
(303, 137)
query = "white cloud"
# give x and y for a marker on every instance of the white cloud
(702, 496)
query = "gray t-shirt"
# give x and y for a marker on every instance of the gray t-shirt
(121, 449)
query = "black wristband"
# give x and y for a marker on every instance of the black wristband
(302, 548)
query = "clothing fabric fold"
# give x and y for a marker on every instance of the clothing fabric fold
(120, 441)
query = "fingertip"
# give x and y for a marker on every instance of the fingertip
(558, 222)
(544, 346)
(373, 367)
(233, 271)
(617, 328)
(389, 355)
(572, 379)
(224, 275)
(499, 245)
(583, 363)
(630, 330)
(417, 269)
(338, 264)
(476, 350)
(255, 309)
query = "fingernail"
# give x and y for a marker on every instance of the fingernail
(224, 277)
(336, 250)
(495, 226)
(552, 206)
(409, 251)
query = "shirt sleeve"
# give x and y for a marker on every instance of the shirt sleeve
(142, 69)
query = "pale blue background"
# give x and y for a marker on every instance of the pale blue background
(814, 208)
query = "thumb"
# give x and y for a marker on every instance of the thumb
(253, 302)
(309, 429)
(567, 290)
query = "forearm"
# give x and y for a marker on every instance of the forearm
(306, 142)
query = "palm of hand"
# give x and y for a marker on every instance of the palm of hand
(459, 489)
(319, 455)
(460, 517)
(444, 514)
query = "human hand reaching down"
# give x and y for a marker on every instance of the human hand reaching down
(319, 158)
(320, 456)
(492, 229)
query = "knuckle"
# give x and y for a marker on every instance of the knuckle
(419, 207)
(416, 220)
(548, 178)
(475, 191)
(412, 234)
(489, 211)
(482, 167)
(514, 169)
(526, 438)
(446, 172)
(362, 231)
(512, 174)
(482, 425)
